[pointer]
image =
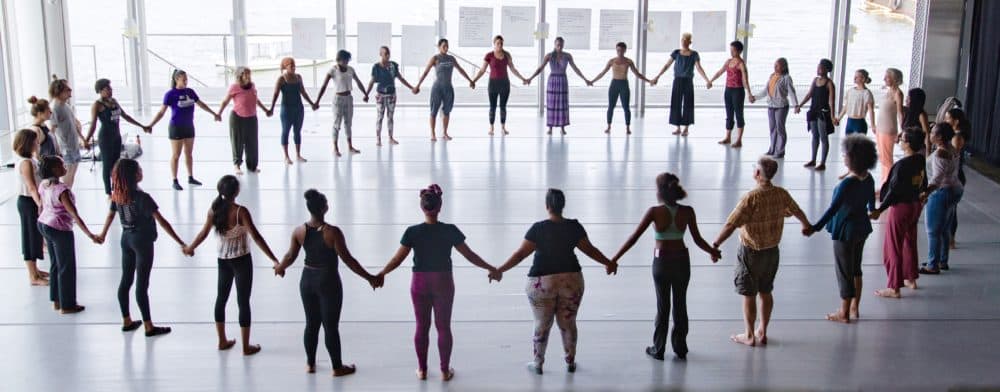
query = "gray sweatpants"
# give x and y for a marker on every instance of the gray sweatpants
(343, 112)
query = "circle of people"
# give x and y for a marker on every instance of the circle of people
(49, 159)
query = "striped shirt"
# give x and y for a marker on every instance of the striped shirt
(761, 214)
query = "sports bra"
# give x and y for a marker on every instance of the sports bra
(672, 233)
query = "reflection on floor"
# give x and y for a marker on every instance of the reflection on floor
(939, 336)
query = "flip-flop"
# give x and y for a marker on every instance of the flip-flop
(134, 325)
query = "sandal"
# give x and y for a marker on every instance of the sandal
(132, 326)
(156, 331)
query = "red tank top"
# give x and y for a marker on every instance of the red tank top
(734, 77)
(498, 67)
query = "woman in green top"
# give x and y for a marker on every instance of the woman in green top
(671, 261)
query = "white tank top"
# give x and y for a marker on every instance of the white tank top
(38, 179)
(233, 243)
(342, 79)
(886, 116)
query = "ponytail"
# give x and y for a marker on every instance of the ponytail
(228, 187)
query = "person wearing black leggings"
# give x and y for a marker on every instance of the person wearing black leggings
(139, 216)
(320, 287)
(107, 111)
(619, 67)
(233, 223)
(498, 61)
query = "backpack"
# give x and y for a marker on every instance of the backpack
(948, 104)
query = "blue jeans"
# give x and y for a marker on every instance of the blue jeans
(940, 211)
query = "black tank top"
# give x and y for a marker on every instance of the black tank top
(318, 255)
(820, 96)
(48, 147)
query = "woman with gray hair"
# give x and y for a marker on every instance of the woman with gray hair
(780, 93)
(243, 120)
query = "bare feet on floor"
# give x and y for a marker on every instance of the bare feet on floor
(839, 317)
(448, 375)
(354, 150)
(301, 159)
(742, 338)
(738, 144)
(724, 141)
(310, 369)
(39, 281)
(761, 337)
(608, 129)
(911, 284)
(421, 374)
(226, 345)
(251, 349)
(887, 293)
(288, 161)
(239, 171)
(393, 141)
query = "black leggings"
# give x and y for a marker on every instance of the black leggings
(499, 88)
(239, 269)
(110, 143)
(671, 274)
(137, 261)
(733, 98)
(682, 102)
(619, 89)
(322, 299)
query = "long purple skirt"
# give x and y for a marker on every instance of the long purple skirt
(557, 101)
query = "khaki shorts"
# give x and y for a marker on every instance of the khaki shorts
(755, 270)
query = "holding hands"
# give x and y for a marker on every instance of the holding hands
(495, 274)
(752, 98)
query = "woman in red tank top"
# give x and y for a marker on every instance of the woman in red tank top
(498, 60)
(737, 81)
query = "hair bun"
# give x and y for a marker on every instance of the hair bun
(312, 194)
(32, 100)
(432, 190)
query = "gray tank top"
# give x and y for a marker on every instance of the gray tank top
(442, 71)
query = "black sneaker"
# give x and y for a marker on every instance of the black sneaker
(192, 181)
(651, 351)
(944, 267)
(177, 186)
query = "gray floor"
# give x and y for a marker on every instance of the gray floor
(937, 337)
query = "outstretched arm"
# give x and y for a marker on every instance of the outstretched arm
(67, 201)
(526, 249)
(601, 74)
(198, 239)
(572, 64)
(396, 260)
(399, 75)
(473, 258)
(641, 228)
(663, 70)
(304, 94)
(724, 235)
(427, 70)
(322, 89)
(510, 64)
(107, 224)
(541, 67)
(631, 65)
(721, 71)
(158, 116)
(293, 252)
(482, 71)
(167, 228)
(257, 238)
(696, 235)
(591, 251)
(462, 71)
(340, 245)
(277, 90)
(204, 107)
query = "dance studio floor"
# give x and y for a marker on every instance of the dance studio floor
(942, 335)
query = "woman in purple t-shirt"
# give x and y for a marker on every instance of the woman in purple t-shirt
(181, 100)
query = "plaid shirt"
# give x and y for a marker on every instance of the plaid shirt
(761, 216)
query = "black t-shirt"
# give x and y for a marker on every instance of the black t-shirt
(554, 246)
(137, 215)
(906, 180)
(431, 244)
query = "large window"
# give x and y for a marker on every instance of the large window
(269, 30)
(98, 47)
(796, 30)
(193, 35)
(875, 27)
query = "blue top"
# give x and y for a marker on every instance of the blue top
(672, 232)
(291, 94)
(385, 77)
(684, 65)
(181, 102)
(847, 217)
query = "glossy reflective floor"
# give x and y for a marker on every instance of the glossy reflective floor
(942, 335)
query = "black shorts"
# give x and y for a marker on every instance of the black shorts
(178, 132)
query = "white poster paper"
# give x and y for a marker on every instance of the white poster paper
(709, 31)
(664, 32)
(616, 26)
(573, 24)
(371, 37)
(418, 44)
(517, 26)
(309, 38)
(475, 27)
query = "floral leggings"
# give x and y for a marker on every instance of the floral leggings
(556, 298)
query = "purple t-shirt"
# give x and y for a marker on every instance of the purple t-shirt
(181, 103)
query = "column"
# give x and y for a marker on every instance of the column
(341, 25)
(840, 32)
(135, 31)
(6, 89)
(642, 20)
(541, 56)
(239, 31)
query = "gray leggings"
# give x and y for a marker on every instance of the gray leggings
(819, 136)
(343, 113)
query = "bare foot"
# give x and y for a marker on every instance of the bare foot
(563, 131)
(301, 159)
(226, 345)
(393, 141)
(239, 171)
(39, 282)
(887, 293)
(344, 370)
(288, 161)
(434, 139)
(838, 317)
(628, 130)
(855, 314)
(505, 131)
(55, 306)
(743, 339)
(821, 167)
(336, 153)
(251, 349)
(354, 150)
(310, 369)
(491, 131)
(608, 130)
(952, 245)
(378, 142)
(421, 374)
(685, 133)
(724, 141)
(911, 284)
(677, 132)
(448, 375)
(257, 170)
(43, 274)
(549, 132)
(761, 337)
(738, 144)
(810, 164)
(446, 137)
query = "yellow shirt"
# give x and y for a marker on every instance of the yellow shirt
(761, 214)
